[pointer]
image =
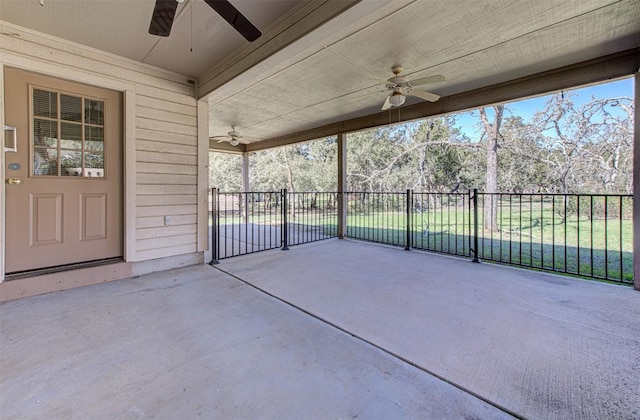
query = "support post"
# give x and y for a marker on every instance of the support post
(342, 185)
(245, 185)
(408, 198)
(214, 227)
(475, 226)
(636, 189)
(285, 227)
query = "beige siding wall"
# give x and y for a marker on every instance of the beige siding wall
(164, 182)
(166, 177)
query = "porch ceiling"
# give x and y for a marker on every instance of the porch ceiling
(332, 74)
(321, 62)
(122, 27)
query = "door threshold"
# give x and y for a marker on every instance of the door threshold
(61, 268)
(56, 279)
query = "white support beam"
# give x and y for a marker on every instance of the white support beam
(245, 172)
(130, 182)
(342, 185)
(245, 183)
(203, 176)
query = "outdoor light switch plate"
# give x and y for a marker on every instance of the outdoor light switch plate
(167, 220)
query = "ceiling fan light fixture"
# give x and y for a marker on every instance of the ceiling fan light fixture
(234, 142)
(397, 98)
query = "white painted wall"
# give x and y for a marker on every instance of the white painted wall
(162, 164)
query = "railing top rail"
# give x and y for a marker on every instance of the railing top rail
(248, 192)
(312, 192)
(435, 193)
(560, 194)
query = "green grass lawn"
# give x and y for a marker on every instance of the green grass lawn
(589, 247)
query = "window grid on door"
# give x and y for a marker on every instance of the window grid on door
(68, 134)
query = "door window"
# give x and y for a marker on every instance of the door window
(68, 135)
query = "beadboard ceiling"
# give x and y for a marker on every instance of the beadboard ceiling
(332, 71)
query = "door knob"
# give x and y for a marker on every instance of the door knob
(14, 181)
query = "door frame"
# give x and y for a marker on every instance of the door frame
(128, 146)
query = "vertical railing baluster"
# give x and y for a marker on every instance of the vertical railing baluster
(510, 226)
(553, 233)
(591, 234)
(566, 216)
(620, 239)
(606, 237)
(541, 231)
(578, 229)
(214, 228)
(475, 226)
(407, 246)
(285, 227)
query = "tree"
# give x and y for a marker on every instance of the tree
(225, 171)
(491, 135)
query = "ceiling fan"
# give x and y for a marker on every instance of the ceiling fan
(165, 11)
(233, 137)
(401, 87)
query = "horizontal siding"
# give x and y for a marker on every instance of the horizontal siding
(164, 189)
(158, 221)
(166, 179)
(163, 168)
(165, 231)
(165, 200)
(164, 105)
(166, 252)
(162, 137)
(170, 158)
(168, 116)
(166, 129)
(164, 242)
(165, 210)
(173, 148)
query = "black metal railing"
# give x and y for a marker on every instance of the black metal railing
(312, 216)
(441, 222)
(585, 235)
(245, 222)
(248, 222)
(377, 217)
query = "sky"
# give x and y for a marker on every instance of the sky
(468, 122)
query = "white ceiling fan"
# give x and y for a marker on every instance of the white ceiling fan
(233, 137)
(401, 87)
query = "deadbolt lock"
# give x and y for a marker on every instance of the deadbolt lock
(14, 181)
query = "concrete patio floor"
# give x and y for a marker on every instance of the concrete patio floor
(541, 345)
(378, 331)
(197, 343)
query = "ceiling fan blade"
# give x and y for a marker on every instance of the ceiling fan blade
(429, 79)
(162, 18)
(235, 19)
(387, 103)
(427, 96)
